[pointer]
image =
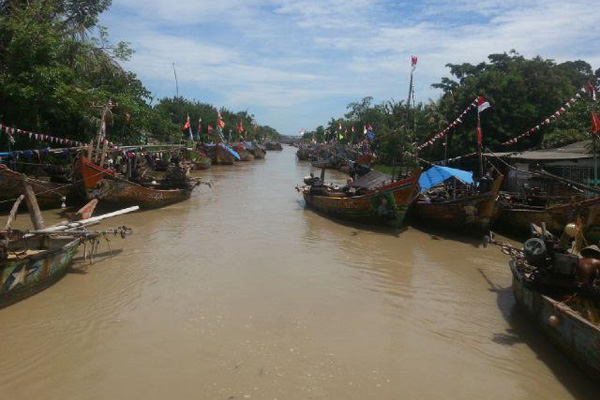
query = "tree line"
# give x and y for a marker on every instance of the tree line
(58, 65)
(522, 92)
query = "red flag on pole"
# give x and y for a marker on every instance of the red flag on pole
(187, 124)
(413, 61)
(595, 123)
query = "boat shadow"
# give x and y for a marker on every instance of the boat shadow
(81, 264)
(379, 229)
(522, 330)
(472, 239)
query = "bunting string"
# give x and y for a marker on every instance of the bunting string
(552, 118)
(459, 120)
(11, 131)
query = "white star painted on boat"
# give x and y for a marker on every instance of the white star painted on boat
(19, 277)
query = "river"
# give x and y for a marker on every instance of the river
(241, 293)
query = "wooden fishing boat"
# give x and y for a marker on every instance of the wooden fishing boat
(199, 160)
(373, 199)
(577, 336)
(303, 153)
(125, 193)
(257, 151)
(517, 218)
(108, 186)
(31, 265)
(273, 146)
(50, 195)
(220, 155)
(558, 283)
(469, 211)
(245, 154)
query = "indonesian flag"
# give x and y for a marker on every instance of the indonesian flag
(199, 126)
(187, 124)
(482, 104)
(595, 123)
(413, 61)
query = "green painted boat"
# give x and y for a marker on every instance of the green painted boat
(32, 265)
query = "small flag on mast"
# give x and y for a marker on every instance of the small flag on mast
(413, 62)
(187, 123)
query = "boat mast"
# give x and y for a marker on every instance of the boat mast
(479, 153)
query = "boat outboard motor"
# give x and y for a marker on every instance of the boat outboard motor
(536, 252)
(312, 180)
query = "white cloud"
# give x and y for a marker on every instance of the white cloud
(297, 63)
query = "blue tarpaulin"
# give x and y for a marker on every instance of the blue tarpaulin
(438, 174)
(232, 151)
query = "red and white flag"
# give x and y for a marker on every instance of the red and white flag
(187, 124)
(413, 61)
(482, 104)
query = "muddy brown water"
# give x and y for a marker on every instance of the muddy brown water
(241, 293)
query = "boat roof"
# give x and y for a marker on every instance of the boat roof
(438, 174)
(371, 180)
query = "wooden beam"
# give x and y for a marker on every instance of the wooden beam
(34, 208)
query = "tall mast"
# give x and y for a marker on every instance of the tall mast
(411, 92)
(176, 83)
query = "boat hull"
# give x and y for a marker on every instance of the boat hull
(365, 208)
(473, 213)
(577, 337)
(109, 188)
(220, 156)
(519, 220)
(23, 277)
(124, 193)
(49, 194)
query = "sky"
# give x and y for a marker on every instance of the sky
(295, 64)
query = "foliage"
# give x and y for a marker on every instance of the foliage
(522, 92)
(178, 109)
(57, 67)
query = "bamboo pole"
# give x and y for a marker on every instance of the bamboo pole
(13, 212)
(69, 225)
(34, 208)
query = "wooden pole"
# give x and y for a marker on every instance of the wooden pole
(595, 161)
(479, 152)
(13, 212)
(34, 208)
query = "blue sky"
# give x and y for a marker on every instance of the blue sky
(296, 64)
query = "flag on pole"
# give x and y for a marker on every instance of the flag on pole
(482, 104)
(413, 61)
(595, 123)
(187, 123)
(220, 121)
(592, 90)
